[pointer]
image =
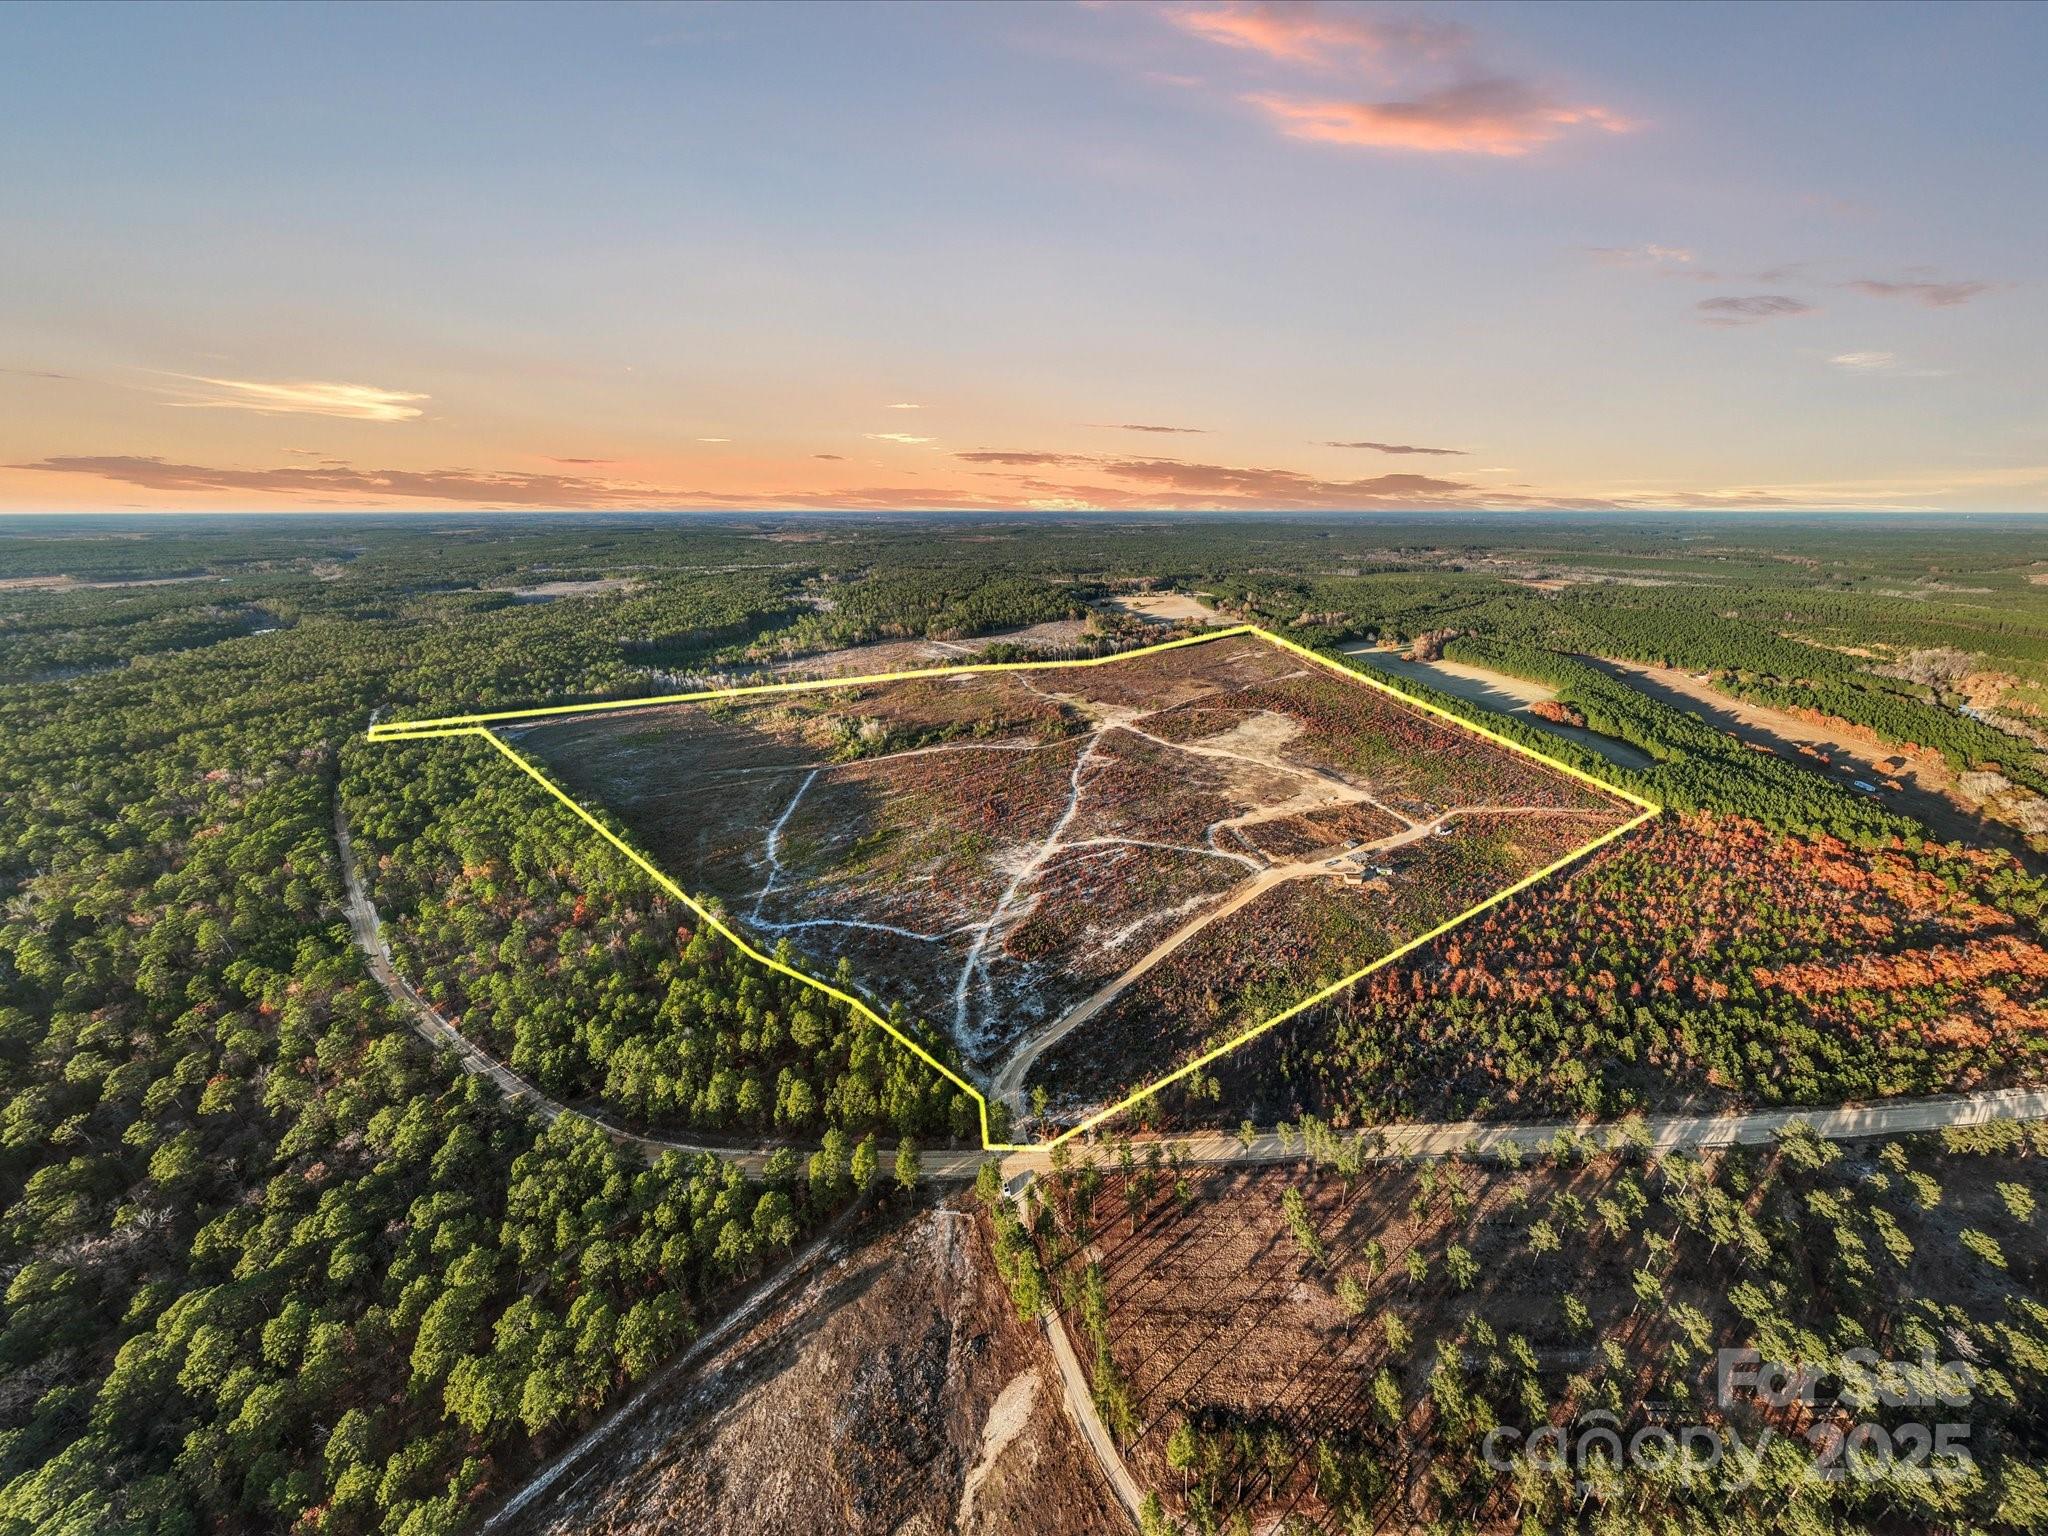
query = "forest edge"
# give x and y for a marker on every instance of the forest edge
(480, 725)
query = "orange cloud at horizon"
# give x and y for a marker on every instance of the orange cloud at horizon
(994, 480)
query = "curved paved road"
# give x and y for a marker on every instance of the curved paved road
(1416, 1138)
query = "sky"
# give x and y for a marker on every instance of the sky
(1175, 256)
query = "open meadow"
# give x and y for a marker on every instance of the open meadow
(1079, 874)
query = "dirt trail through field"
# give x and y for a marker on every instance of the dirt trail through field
(1261, 749)
(1416, 1138)
(1036, 862)
(1009, 1083)
(1257, 743)
(773, 847)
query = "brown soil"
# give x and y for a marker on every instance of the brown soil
(986, 849)
(898, 1395)
(1928, 791)
(1300, 837)
(1216, 1315)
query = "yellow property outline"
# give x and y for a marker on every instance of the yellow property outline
(480, 725)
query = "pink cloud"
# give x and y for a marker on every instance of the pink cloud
(495, 488)
(1493, 116)
(1317, 35)
(1650, 255)
(1174, 481)
(1446, 453)
(1018, 457)
(1015, 479)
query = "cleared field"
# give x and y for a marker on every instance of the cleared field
(1165, 607)
(1232, 974)
(1101, 858)
(897, 1394)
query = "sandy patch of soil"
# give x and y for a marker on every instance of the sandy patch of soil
(37, 584)
(1166, 608)
(899, 1396)
(1928, 788)
(73, 584)
(1007, 1419)
(548, 591)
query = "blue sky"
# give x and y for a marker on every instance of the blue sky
(943, 255)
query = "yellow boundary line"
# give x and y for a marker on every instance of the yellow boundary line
(392, 729)
(480, 725)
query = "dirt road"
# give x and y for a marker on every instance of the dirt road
(1081, 1405)
(827, 1247)
(427, 1020)
(1423, 1138)
(1497, 691)
(433, 1027)
(1009, 1083)
(1929, 791)
(1666, 1133)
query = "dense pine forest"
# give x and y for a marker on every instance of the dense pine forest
(270, 1263)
